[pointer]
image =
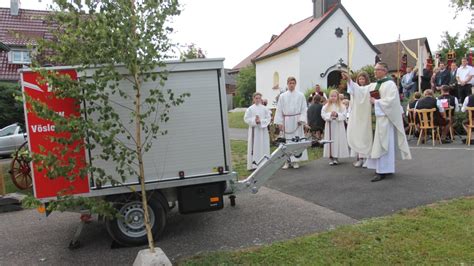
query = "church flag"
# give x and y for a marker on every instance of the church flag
(350, 48)
(410, 52)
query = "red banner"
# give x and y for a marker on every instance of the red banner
(40, 132)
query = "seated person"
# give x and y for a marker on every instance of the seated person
(468, 102)
(315, 121)
(448, 100)
(429, 102)
(412, 103)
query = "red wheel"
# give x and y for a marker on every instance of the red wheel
(20, 168)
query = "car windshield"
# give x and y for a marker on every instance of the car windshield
(7, 131)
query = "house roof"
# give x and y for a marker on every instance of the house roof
(297, 34)
(388, 52)
(249, 59)
(229, 79)
(23, 29)
(19, 31)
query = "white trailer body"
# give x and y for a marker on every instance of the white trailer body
(190, 165)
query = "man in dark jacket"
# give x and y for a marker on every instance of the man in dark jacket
(315, 121)
(430, 102)
(442, 77)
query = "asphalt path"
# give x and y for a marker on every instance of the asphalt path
(316, 197)
(29, 238)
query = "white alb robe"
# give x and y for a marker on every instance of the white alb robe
(291, 113)
(389, 128)
(258, 144)
(335, 130)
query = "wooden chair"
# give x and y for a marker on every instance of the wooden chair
(449, 116)
(470, 124)
(411, 121)
(426, 122)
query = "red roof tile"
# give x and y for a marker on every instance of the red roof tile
(248, 60)
(20, 31)
(294, 35)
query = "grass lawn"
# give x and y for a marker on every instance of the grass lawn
(9, 186)
(236, 120)
(239, 156)
(441, 233)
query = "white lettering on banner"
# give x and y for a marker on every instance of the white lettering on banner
(41, 129)
(60, 113)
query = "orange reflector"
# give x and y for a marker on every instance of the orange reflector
(41, 209)
(214, 199)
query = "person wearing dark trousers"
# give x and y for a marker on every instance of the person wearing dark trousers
(442, 77)
(464, 77)
(453, 83)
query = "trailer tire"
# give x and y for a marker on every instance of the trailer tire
(129, 230)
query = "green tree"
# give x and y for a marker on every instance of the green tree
(369, 69)
(461, 5)
(192, 52)
(97, 36)
(246, 84)
(12, 109)
(453, 43)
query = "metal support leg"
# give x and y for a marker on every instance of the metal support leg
(232, 200)
(75, 243)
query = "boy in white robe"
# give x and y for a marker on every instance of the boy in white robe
(258, 118)
(389, 130)
(290, 116)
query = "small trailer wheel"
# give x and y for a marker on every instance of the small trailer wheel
(232, 200)
(129, 229)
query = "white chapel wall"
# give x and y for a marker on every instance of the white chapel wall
(285, 64)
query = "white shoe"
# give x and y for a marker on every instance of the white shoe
(336, 162)
(358, 163)
(295, 165)
(285, 166)
(331, 162)
(364, 165)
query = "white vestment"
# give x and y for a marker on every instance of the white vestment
(258, 144)
(389, 129)
(336, 131)
(291, 113)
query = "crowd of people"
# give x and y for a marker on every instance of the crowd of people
(346, 121)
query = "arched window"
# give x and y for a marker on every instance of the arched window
(276, 81)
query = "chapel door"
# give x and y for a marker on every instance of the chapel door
(334, 79)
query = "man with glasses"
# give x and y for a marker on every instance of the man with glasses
(389, 131)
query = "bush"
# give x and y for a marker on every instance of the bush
(246, 84)
(11, 109)
(458, 118)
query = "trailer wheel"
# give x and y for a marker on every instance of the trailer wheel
(129, 229)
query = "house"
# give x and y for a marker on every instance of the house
(390, 55)
(230, 88)
(19, 29)
(312, 50)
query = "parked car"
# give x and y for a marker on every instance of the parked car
(11, 138)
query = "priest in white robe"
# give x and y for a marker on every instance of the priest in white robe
(389, 132)
(290, 116)
(258, 118)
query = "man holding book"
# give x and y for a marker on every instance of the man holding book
(389, 131)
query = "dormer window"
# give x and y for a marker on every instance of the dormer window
(18, 56)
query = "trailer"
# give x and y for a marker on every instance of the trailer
(189, 167)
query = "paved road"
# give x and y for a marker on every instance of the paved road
(314, 198)
(28, 238)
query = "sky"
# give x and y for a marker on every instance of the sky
(233, 29)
